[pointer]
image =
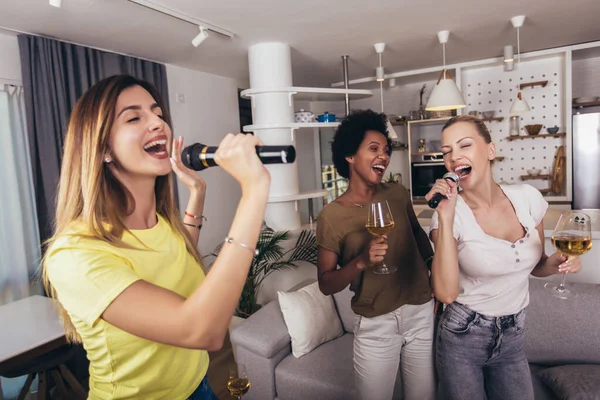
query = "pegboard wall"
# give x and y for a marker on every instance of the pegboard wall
(493, 89)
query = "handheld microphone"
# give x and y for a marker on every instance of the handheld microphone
(437, 197)
(199, 156)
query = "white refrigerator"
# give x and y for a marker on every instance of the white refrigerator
(586, 161)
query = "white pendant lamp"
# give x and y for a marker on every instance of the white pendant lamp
(379, 73)
(519, 105)
(445, 95)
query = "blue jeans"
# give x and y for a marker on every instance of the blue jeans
(478, 356)
(203, 391)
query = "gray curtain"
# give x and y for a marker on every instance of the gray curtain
(55, 75)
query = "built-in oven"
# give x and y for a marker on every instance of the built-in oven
(425, 169)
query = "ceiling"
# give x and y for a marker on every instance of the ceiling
(318, 31)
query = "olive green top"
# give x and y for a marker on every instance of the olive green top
(341, 229)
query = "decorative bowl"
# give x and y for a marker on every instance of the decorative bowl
(488, 114)
(553, 129)
(533, 129)
(534, 171)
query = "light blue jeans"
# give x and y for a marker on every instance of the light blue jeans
(478, 356)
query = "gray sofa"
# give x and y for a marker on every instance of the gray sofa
(558, 332)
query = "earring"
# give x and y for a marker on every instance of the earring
(107, 160)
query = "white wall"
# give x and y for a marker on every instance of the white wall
(10, 63)
(208, 113)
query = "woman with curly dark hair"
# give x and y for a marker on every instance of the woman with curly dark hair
(394, 313)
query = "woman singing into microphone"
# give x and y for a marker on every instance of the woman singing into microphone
(122, 262)
(394, 313)
(488, 240)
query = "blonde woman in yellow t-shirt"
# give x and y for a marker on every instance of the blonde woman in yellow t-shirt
(124, 265)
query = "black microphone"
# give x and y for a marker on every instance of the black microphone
(437, 197)
(199, 156)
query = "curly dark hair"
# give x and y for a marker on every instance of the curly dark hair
(350, 134)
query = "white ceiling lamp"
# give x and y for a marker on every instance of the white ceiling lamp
(445, 95)
(509, 58)
(56, 3)
(380, 75)
(201, 37)
(519, 105)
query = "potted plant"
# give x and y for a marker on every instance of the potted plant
(272, 257)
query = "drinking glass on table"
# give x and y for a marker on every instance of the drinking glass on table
(238, 383)
(571, 236)
(380, 222)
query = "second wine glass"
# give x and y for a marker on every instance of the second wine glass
(238, 383)
(572, 236)
(379, 223)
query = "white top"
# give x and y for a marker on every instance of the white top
(27, 324)
(494, 273)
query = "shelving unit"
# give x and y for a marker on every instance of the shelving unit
(273, 94)
(511, 138)
(535, 177)
(532, 84)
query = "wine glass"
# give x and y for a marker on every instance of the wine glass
(571, 236)
(238, 383)
(380, 222)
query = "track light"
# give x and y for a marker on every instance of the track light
(201, 37)
(379, 72)
(56, 3)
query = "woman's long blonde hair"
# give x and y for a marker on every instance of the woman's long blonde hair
(88, 192)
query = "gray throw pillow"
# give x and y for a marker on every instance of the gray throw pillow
(573, 382)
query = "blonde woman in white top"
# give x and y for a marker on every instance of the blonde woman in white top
(488, 239)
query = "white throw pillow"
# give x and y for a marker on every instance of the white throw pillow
(310, 317)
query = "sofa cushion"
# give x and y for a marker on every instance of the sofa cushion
(310, 318)
(540, 390)
(560, 331)
(326, 373)
(342, 304)
(573, 382)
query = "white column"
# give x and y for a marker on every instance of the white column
(270, 68)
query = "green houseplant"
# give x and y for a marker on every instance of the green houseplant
(272, 257)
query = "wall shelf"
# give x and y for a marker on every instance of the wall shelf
(399, 123)
(500, 158)
(532, 84)
(290, 125)
(533, 177)
(589, 104)
(300, 196)
(499, 119)
(311, 93)
(511, 138)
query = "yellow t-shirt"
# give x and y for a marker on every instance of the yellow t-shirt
(88, 274)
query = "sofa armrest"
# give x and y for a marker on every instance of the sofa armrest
(264, 332)
(261, 342)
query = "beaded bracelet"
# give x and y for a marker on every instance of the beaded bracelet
(195, 216)
(231, 240)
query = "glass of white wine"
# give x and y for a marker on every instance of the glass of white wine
(380, 222)
(238, 383)
(572, 236)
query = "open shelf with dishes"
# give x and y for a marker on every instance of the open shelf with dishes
(311, 93)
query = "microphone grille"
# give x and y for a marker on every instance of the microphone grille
(452, 176)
